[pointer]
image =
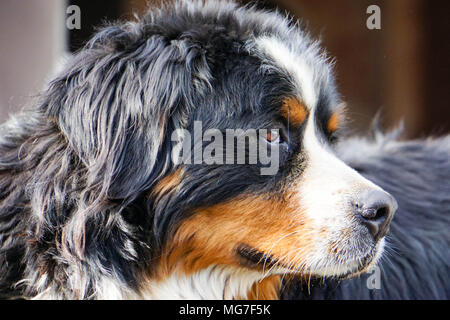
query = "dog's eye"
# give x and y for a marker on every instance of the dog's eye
(273, 136)
(276, 136)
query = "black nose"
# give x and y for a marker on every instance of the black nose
(375, 209)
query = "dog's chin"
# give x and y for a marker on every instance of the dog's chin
(367, 262)
(338, 267)
(356, 268)
(342, 268)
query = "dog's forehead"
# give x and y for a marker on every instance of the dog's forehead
(306, 67)
(297, 67)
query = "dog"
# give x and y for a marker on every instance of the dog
(95, 205)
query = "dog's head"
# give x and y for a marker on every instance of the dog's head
(208, 70)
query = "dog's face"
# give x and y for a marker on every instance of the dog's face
(215, 68)
(314, 215)
(311, 217)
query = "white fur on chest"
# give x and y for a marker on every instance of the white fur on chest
(213, 283)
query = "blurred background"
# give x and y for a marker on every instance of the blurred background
(402, 69)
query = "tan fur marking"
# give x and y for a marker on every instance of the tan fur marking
(266, 289)
(212, 234)
(333, 122)
(294, 111)
(336, 118)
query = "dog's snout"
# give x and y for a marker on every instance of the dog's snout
(375, 209)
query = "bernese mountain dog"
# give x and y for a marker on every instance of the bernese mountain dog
(191, 154)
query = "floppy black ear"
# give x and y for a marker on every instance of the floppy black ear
(116, 102)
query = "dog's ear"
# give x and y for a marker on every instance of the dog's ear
(116, 103)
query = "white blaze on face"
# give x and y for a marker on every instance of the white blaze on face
(327, 191)
(328, 185)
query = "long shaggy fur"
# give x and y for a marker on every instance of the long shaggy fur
(66, 175)
(77, 166)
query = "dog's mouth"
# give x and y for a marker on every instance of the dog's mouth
(356, 266)
(254, 258)
(359, 266)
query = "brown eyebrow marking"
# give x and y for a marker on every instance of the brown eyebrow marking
(333, 122)
(294, 111)
(336, 119)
